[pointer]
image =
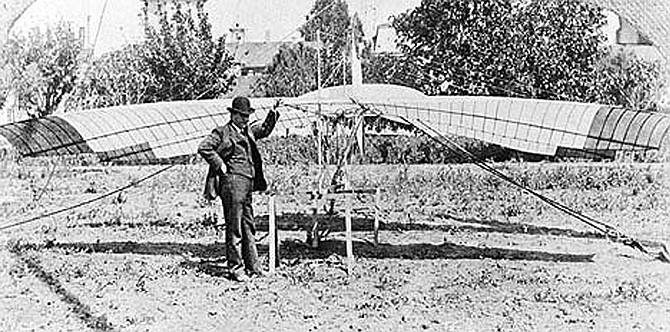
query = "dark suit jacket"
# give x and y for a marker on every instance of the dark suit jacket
(226, 145)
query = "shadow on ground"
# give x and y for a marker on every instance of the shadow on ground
(292, 249)
(419, 251)
(335, 223)
(81, 310)
(205, 251)
(210, 258)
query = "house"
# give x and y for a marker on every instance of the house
(642, 22)
(251, 59)
(643, 29)
(384, 41)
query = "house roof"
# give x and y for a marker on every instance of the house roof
(243, 87)
(385, 39)
(254, 54)
(650, 17)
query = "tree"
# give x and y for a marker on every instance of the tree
(186, 61)
(178, 60)
(120, 77)
(41, 68)
(624, 79)
(560, 44)
(459, 44)
(332, 19)
(293, 70)
(393, 69)
(548, 49)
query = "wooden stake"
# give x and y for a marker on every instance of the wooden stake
(272, 229)
(313, 231)
(350, 246)
(377, 215)
(319, 125)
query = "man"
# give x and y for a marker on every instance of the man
(235, 170)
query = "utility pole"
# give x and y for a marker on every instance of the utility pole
(313, 231)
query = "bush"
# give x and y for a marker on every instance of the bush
(379, 149)
(178, 60)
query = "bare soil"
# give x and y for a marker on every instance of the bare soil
(452, 256)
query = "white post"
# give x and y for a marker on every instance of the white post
(272, 229)
(377, 215)
(350, 246)
(313, 231)
(319, 138)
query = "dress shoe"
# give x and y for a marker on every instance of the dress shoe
(239, 275)
(257, 273)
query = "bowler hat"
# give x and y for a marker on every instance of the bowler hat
(241, 105)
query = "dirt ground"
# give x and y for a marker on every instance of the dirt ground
(458, 252)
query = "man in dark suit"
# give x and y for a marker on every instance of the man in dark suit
(235, 171)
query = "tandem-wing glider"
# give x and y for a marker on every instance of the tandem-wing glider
(170, 132)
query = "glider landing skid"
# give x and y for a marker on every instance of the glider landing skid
(664, 255)
(646, 246)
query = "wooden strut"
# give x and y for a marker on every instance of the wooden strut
(321, 194)
(377, 216)
(349, 241)
(272, 229)
(313, 234)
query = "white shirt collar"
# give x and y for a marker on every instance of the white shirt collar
(238, 129)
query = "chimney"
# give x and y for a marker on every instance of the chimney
(82, 37)
(238, 34)
(87, 40)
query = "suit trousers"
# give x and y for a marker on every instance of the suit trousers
(240, 229)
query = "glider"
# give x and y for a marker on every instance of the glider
(169, 132)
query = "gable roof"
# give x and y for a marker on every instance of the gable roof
(650, 17)
(254, 54)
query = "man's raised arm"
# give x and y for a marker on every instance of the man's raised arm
(265, 129)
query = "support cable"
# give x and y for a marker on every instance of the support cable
(52, 213)
(71, 207)
(609, 231)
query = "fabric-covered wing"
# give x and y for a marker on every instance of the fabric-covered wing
(171, 131)
(146, 133)
(537, 126)
(545, 127)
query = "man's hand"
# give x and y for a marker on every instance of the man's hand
(278, 103)
(223, 169)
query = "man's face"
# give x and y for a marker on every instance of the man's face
(239, 119)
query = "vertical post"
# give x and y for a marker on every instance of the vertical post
(318, 89)
(344, 69)
(313, 232)
(277, 246)
(272, 229)
(350, 246)
(377, 215)
(360, 135)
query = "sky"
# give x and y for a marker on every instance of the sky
(117, 22)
